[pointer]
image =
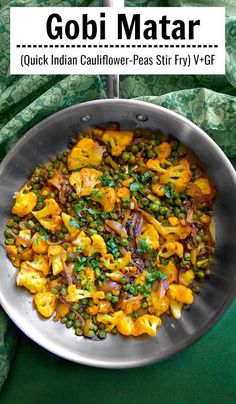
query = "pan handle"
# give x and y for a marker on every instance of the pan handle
(113, 79)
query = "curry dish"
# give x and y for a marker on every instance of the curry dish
(114, 232)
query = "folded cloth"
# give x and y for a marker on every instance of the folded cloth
(209, 101)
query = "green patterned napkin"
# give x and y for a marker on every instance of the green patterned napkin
(209, 101)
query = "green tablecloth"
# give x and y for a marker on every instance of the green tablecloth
(204, 373)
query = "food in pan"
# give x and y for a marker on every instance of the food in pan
(114, 232)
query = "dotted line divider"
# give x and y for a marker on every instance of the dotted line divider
(117, 46)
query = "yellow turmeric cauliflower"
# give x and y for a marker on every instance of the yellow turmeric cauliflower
(204, 185)
(85, 180)
(106, 197)
(39, 244)
(40, 263)
(24, 203)
(117, 141)
(180, 293)
(147, 324)
(178, 175)
(83, 242)
(163, 150)
(57, 256)
(49, 217)
(109, 263)
(150, 235)
(70, 223)
(45, 303)
(85, 153)
(173, 248)
(98, 245)
(74, 294)
(31, 279)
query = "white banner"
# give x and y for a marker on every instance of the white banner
(95, 40)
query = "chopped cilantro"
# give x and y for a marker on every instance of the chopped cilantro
(73, 223)
(135, 186)
(97, 193)
(143, 248)
(169, 191)
(107, 181)
(43, 233)
(160, 275)
(80, 264)
(145, 177)
(112, 246)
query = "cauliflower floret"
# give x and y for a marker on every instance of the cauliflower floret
(173, 248)
(24, 203)
(45, 303)
(204, 185)
(118, 264)
(117, 140)
(175, 308)
(40, 263)
(132, 304)
(163, 150)
(57, 180)
(158, 305)
(61, 310)
(70, 223)
(74, 294)
(110, 320)
(178, 175)
(125, 325)
(123, 193)
(85, 180)
(170, 271)
(85, 153)
(106, 197)
(58, 256)
(149, 233)
(23, 238)
(98, 245)
(31, 279)
(158, 189)
(83, 242)
(49, 217)
(39, 244)
(146, 324)
(180, 293)
(13, 255)
(186, 277)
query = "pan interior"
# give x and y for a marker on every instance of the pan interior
(52, 136)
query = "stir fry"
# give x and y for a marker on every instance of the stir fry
(114, 232)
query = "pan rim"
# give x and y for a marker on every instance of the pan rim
(206, 327)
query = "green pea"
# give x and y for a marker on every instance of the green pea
(108, 295)
(145, 201)
(92, 231)
(69, 324)
(144, 305)
(77, 324)
(97, 272)
(102, 334)
(101, 326)
(86, 316)
(10, 241)
(187, 256)
(114, 331)
(78, 332)
(125, 156)
(124, 241)
(132, 158)
(151, 154)
(64, 320)
(11, 223)
(64, 291)
(135, 149)
(71, 315)
(84, 301)
(8, 233)
(30, 224)
(154, 207)
(55, 291)
(75, 306)
(115, 299)
(90, 334)
(163, 210)
(36, 186)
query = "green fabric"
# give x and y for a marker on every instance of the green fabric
(204, 373)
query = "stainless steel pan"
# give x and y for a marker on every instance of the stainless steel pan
(52, 136)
